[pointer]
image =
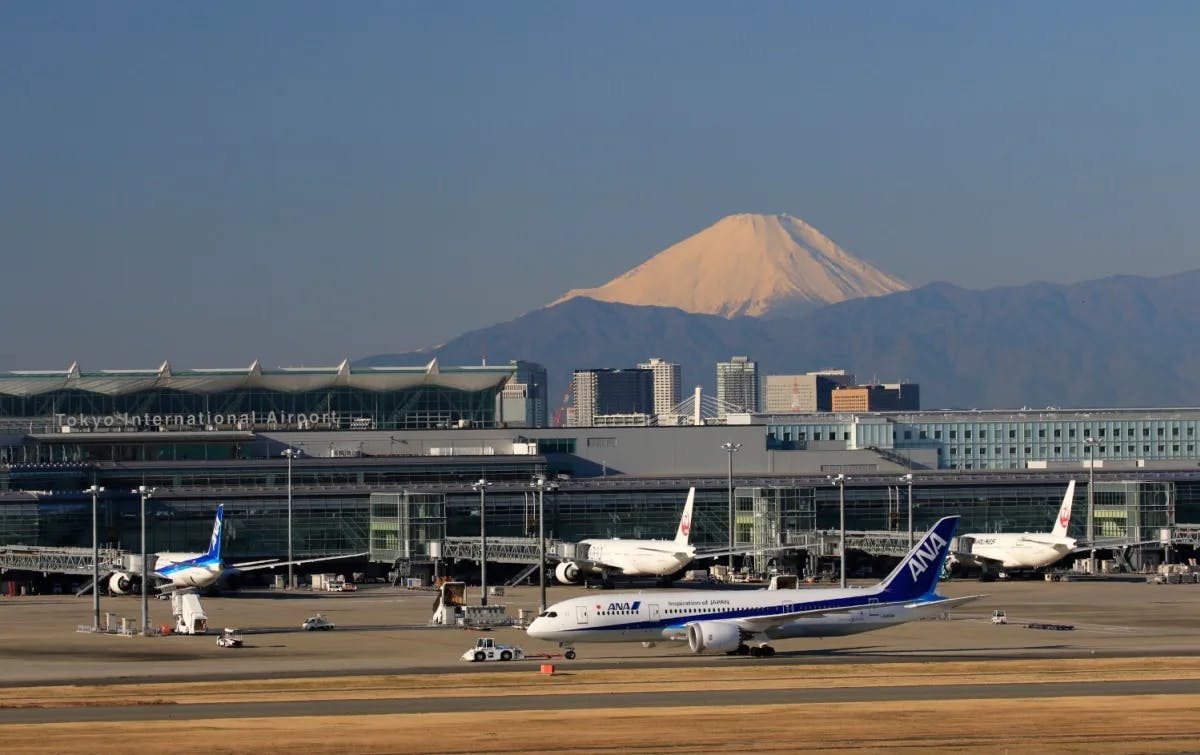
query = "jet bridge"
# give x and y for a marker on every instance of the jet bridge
(32, 558)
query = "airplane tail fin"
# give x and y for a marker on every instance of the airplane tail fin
(214, 544)
(1064, 512)
(683, 535)
(916, 576)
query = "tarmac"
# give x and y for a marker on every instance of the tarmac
(385, 630)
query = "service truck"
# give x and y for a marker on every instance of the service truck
(487, 649)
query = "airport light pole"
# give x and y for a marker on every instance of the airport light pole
(840, 480)
(145, 492)
(482, 485)
(1090, 444)
(542, 484)
(731, 448)
(909, 479)
(95, 490)
(290, 453)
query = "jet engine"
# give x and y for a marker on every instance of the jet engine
(567, 573)
(713, 637)
(120, 583)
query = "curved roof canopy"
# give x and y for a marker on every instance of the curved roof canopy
(285, 379)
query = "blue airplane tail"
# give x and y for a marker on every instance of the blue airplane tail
(214, 544)
(916, 576)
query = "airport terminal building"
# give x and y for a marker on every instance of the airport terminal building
(377, 450)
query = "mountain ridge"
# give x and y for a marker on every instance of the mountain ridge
(1115, 342)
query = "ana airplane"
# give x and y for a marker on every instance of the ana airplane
(1015, 550)
(632, 558)
(173, 571)
(743, 622)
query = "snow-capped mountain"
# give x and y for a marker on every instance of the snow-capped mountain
(756, 265)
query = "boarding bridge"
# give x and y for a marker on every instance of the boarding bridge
(34, 558)
(500, 550)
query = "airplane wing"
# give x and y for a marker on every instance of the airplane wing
(255, 565)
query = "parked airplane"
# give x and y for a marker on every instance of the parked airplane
(743, 622)
(173, 571)
(611, 557)
(616, 557)
(1015, 550)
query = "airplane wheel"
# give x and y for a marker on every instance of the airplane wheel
(755, 652)
(767, 651)
(569, 655)
(743, 649)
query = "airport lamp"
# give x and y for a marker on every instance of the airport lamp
(95, 490)
(542, 484)
(840, 480)
(290, 453)
(909, 479)
(731, 449)
(145, 492)
(1090, 444)
(482, 485)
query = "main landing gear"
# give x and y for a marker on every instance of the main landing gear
(757, 651)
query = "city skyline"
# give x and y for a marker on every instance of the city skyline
(215, 184)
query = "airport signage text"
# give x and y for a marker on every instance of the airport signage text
(199, 420)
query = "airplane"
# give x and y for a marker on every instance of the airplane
(617, 557)
(1016, 550)
(742, 622)
(177, 571)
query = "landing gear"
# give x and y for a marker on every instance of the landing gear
(569, 654)
(762, 651)
(742, 649)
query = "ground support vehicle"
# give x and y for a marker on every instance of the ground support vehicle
(487, 649)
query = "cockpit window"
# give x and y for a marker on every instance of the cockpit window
(547, 615)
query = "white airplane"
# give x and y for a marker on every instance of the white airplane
(744, 621)
(1020, 550)
(174, 571)
(612, 557)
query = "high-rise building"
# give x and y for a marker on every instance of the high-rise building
(802, 394)
(610, 397)
(737, 385)
(893, 397)
(523, 400)
(667, 379)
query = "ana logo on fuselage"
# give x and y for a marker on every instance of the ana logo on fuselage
(925, 554)
(625, 606)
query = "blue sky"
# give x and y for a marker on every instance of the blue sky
(211, 183)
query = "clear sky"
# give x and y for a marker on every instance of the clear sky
(213, 182)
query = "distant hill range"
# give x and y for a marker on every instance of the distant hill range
(756, 265)
(1118, 342)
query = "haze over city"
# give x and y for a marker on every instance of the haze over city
(214, 183)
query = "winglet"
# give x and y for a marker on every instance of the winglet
(916, 576)
(683, 535)
(214, 544)
(1064, 513)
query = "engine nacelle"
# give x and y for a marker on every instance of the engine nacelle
(567, 573)
(713, 637)
(120, 583)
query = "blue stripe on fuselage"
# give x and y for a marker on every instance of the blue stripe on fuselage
(205, 562)
(677, 621)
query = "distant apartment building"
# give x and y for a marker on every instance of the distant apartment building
(803, 394)
(737, 385)
(667, 379)
(523, 400)
(612, 397)
(891, 397)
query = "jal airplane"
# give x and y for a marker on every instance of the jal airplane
(745, 622)
(174, 571)
(611, 557)
(1016, 550)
